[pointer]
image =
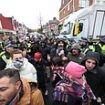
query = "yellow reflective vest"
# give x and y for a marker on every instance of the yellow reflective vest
(7, 61)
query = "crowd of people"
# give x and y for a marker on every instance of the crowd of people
(74, 70)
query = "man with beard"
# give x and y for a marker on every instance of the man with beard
(75, 53)
(15, 91)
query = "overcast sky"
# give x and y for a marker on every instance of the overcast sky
(30, 11)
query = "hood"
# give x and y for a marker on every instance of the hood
(61, 40)
(25, 61)
(75, 70)
(91, 55)
(76, 46)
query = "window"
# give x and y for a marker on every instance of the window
(83, 3)
(68, 28)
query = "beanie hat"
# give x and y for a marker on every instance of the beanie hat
(37, 55)
(76, 46)
(75, 70)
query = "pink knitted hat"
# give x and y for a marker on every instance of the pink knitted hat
(75, 70)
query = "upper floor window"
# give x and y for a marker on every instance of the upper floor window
(83, 3)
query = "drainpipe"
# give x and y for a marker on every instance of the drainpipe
(73, 8)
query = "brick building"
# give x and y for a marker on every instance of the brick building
(69, 6)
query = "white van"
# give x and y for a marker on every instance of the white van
(87, 22)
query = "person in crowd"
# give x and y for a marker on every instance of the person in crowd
(2, 64)
(92, 46)
(27, 70)
(45, 49)
(57, 69)
(59, 49)
(102, 45)
(25, 52)
(6, 53)
(40, 64)
(83, 42)
(95, 76)
(73, 88)
(1, 47)
(75, 53)
(17, 91)
(5, 39)
(35, 47)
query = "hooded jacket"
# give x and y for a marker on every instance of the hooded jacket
(27, 70)
(74, 85)
(29, 96)
(55, 51)
(93, 55)
(96, 77)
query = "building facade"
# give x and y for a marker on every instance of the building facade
(51, 28)
(69, 6)
(10, 26)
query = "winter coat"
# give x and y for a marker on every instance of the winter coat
(73, 88)
(2, 64)
(96, 77)
(27, 71)
(55, 51)
(41, 69)
(77, 58)
(41, 73)
(30, 96)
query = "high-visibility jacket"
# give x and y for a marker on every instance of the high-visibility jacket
(102, 48)
(92, 47)
(7, 60)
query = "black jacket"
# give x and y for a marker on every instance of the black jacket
(96, 77)
(41, 69)
(2, 64)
